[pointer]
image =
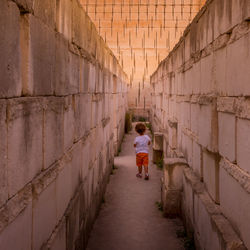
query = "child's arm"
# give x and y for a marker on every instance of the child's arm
(135, 145)
(149, 142)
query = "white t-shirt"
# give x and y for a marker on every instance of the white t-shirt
(141, 144)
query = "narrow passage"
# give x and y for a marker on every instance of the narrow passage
(129, 218)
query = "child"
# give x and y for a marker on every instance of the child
(141, 144)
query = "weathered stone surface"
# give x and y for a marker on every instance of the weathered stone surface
(236, 212)
(238, 54)
(14, 236)
(211, 174)
(46, 11)
(10, 50)
(25, 5)
(82, 106)
(243, 144)
(44, 216)
(53, 130)
(197, 163)
(25, 141)
(42, 51)
(227, 125)
(3, 153)
(64, 18)
(68, 116)
(158, 141)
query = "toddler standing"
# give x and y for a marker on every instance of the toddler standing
(141, 144)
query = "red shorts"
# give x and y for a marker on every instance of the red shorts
(142, 159)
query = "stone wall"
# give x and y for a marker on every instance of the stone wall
(200, 96)
(63, 98)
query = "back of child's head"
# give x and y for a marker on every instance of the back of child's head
(140, 128)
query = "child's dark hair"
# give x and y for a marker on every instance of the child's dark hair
(140, 128)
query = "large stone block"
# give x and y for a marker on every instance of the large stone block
(64, 186)
(235, 204)
(208, 127)
(197, 159)
(195, 116)
(84, 82)
(64, 84)
(237, 67)
(204, 228)
(158, 141)
(227, 125)
(207, 75)
(53, 130)
(220, 70)
(42, 58)
(82, 115)
(44, 216)
(79, 29)
(3, 154)
(15, 236)
(10, 71)
(25, 141)
(243, 144)
(211, 172)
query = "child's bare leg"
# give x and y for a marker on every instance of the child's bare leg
(140, 169)
(146, 169)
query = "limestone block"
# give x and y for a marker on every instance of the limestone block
(3, 154)
(64, 18)
(173, 172)
(78, 22)
(220, 72)
(64, 186)
(237, 67)
(10, 50)
(206, 235)
(236, 205)
(197, 159)
(207, 75)
(14, 236)
(74, 77)
(92, 78)
(76, 166)
(44, 216)
(227, 123)
(185, 115)
(42, 51)
(186, 148)
(46, 11)
(53, 130)
(243, 144)
(68, 117)
(86, 159)
(158, 141)
(188, 203)
(208, 127)
(211, 172)
(25, 141)
(82, 118)
(62, 67)
(84, 83)
(195, 116)
(172, 134)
